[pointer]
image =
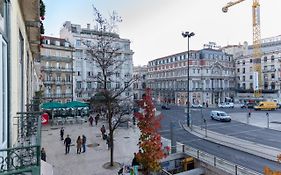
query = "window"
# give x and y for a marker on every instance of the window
(238, 70)
(243, 78)
(78, 73)
(244, 70)
(78, 42)
(272, 58)
(265, 59)
(251, 77)
(272, 76)
(79, 84)
(89, 85)
(251, 60)
(243, 62)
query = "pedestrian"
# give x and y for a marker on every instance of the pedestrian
(108, 141)
(207, 104)
(267, 115)
(43, 154)
(135, 161)
(61, 133)
(78, 145)
(97, 117)
(103, 130)
(91, 120)
(67, 142)
(84, 143)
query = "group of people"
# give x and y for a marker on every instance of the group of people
(105, 136)
(91, 119)
(80, 142)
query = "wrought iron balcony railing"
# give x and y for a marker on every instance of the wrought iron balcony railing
(24, 158)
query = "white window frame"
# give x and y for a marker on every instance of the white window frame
(3, 93)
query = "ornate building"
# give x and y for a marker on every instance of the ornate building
(140, 73)
(270, 64)
(211, 71)
(56, 67)
(85, 83)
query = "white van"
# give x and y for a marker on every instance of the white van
(220, 116)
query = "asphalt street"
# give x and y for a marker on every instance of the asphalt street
(233, 128)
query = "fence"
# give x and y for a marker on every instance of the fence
(212, 160)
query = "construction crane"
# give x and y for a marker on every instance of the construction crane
(257, 74)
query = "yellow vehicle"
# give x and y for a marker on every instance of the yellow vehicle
(266, 105)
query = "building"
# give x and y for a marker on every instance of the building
(270, 64)
(86, 70)
(211, 71)
(56, 69)
(19, 47)
(139, 86)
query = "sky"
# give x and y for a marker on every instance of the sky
(154, 27)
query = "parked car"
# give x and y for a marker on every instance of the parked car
(220, 116)
(248, 105)
(165, 107)
(196, 106)
(226, 105)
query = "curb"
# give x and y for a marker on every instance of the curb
(253, 148)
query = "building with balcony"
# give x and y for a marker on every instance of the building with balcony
(211, 72)
(270, 68)
(19, 47)
(86, 83)
(139, 86)
(56, 69)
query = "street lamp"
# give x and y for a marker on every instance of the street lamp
(188, 35)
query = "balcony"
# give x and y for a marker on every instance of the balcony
(31, 13)
(56, 96)
(57, 59)
(24, 158)
(269, 70)
(56, 69)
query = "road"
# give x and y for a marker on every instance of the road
(237, 129)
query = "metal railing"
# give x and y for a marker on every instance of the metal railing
(212, 160)
(24, 158)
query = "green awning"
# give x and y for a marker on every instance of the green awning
(52, 105)
(75, 104)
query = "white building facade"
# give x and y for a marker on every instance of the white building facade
(211, 77)
(139, 86)
(270, 66)
(85, 84)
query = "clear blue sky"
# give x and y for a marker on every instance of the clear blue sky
(154, 26)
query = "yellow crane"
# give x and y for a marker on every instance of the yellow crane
(257, 74)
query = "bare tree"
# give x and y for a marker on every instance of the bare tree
(106, 54)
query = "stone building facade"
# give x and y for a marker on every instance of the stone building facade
(211, 72)
(85, 83)
(139, 86)
(56, 68)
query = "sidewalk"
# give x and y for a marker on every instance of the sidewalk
(97, 154)
(264, 151)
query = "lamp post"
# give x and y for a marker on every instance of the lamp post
(188, 35)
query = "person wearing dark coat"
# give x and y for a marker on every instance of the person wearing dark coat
(67, 142)
(91, 120)
(134, 161)
(43, 154)
(61, 133)
(84, 143)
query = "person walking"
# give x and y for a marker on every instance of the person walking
(97, 117)
(84, 143)
(103, 130)
(67, 142)
(61, 133)
(78, 145)
(108, 141)
(91, 120)
(43, 154)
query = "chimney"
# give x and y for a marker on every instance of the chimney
(88, 26)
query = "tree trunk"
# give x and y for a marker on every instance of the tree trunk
(111, 148)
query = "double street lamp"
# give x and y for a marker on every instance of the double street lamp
(188, 35)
